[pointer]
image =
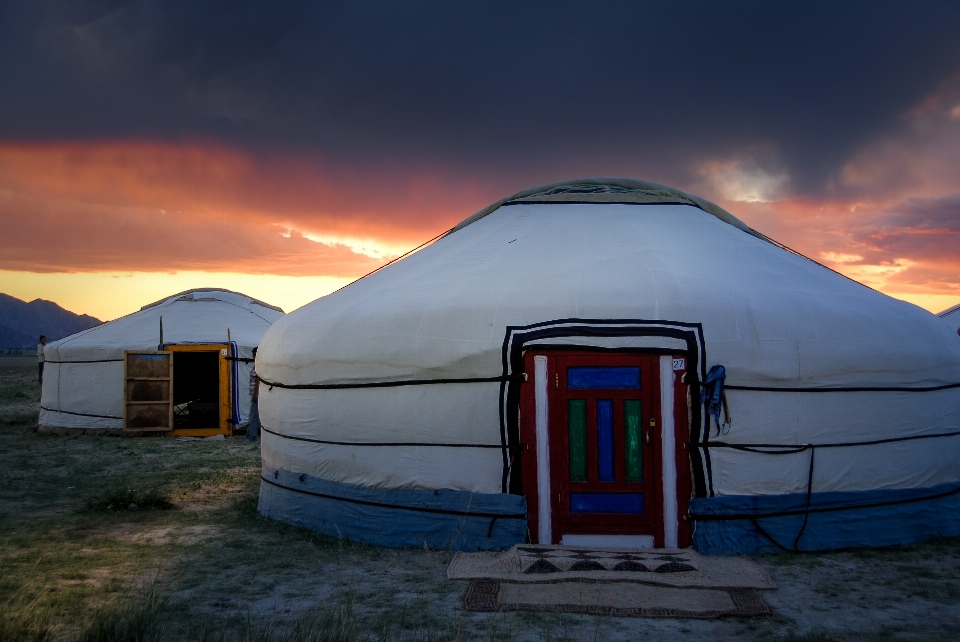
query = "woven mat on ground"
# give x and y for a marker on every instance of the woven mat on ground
(614, 598)
(532, 563)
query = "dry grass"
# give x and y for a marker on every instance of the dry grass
(129, 499)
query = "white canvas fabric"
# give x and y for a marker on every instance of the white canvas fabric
(771, 317)
(83, 378)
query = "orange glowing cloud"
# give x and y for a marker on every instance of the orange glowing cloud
(158, 206)
(905, 248)
(890, 218)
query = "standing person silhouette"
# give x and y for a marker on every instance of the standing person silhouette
(43, 342)
(253, 427)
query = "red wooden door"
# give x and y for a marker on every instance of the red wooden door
(604, 429)
(604, 445)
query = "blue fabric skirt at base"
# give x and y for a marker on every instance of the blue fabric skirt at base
(438, 519)
(870, 518)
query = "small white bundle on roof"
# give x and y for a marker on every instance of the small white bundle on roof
(83, 381)
(548, 371)
(952, 317)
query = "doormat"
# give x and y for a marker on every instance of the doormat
(562, 559)
(622, 599)
(532, 563)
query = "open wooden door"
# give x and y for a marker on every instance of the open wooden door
(147, 391)
(202, 404)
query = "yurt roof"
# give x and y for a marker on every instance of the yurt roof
(950, 312)
(582, 250)
(599, 190)
(213, 294)
(201, 315)
(610, 190)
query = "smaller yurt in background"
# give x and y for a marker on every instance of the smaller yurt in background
(179, 366)
(952, 316)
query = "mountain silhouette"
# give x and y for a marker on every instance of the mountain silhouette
(22, 323)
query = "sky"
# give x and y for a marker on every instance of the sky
(285, 148)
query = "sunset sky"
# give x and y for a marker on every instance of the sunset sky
(283, 149)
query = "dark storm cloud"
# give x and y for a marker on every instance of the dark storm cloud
(543, 91)
(917, 227)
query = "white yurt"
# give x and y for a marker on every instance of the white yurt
(952, 317)
(611, 362)
(180, 366)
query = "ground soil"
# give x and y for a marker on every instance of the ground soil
(223, 572)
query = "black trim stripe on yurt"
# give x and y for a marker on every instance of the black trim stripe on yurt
(822, 509)
(79, 414)
(796, 448)
(378, 443)
(87, 361)
(947, 386)
(419, 509)
(515, 342)
(549, 202)
(383, 384)
(243, 359)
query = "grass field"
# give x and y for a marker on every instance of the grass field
(110, 538)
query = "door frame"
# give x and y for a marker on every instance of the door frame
(677, 337)
(225, 423)
(671, 496)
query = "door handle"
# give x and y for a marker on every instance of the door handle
(648, 437)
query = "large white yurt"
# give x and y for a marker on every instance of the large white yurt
(952, 317)
(611, 362)
(179, 366)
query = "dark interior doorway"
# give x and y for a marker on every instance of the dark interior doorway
(196, 390)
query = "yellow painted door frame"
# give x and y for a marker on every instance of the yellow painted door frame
(226, 409)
